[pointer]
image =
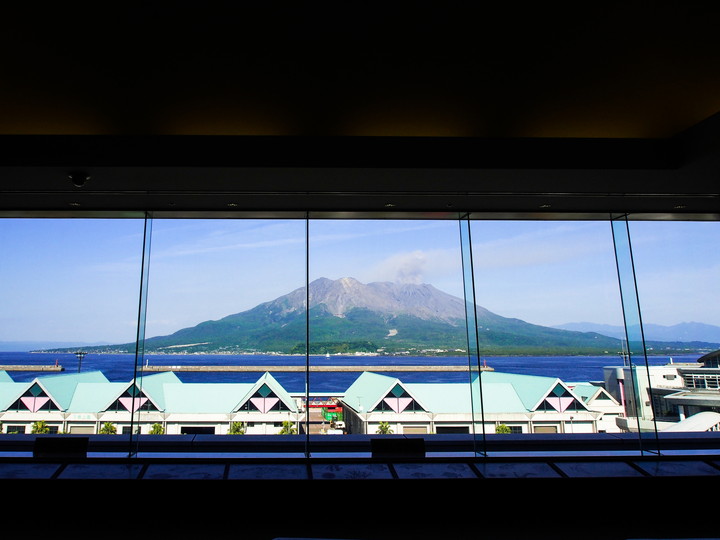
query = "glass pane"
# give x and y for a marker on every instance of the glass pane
(68, 288)
(388, 339)
(474, 363)
(136, 397)
(635, 382)
(677, 264)
(548, 309)
(221, 329)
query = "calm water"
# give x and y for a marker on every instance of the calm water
(120, 367)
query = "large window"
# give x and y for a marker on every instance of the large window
(386, 306)
(547, 298)
(67, 286)
(334, 327)
(223, 308)
(677, 265)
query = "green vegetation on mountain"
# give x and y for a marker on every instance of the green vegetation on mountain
(348, 317)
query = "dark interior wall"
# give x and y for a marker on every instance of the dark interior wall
(495, 509)
(386, 176)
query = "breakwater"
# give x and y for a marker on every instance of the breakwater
(303, 368)
(30, 367)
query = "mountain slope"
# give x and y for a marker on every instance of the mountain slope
(348, 316)
(686, 331)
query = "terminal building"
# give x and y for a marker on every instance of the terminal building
(83, 403)
(493, 402)
(86, 403)
(668, 396)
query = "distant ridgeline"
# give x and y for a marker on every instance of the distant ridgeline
(347, 316)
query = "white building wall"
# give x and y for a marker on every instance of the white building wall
(618, 380)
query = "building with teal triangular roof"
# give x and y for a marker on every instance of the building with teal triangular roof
(84, 402)
(523, 403)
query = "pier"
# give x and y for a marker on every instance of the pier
(31, 367)
(244, 368)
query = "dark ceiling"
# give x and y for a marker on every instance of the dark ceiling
(561, 92)
(621, 69)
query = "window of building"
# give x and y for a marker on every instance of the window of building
(445, 430)
(80, 429)
(197, 430)
(546, 429)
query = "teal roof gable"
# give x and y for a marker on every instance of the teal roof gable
(10, 392)
(61, 388)
(274, 386)
(367, 390)
(585, 391)
(92, 397)
(153, 386)
(203, 397)
(500, 393)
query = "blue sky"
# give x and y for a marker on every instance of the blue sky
(78, 280)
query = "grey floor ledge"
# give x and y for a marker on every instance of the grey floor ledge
(226, 458)
(458, 469)
(704, 443)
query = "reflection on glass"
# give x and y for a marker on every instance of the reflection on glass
(548, 307)
(388, 340)
(67, 285)
(677, 268)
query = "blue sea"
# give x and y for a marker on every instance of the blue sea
(121, 368)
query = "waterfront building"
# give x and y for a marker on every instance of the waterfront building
(82, 403)
(673, 397)
(597, 398)
(668, 394)
(522, 403)
(700, 393)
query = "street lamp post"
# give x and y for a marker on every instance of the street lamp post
(80, 355)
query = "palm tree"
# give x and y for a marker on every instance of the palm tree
(157, 429)
(108, 428)
(384, 429)
(40, 427)
(502, 428)
(237, 428)
(288, 428)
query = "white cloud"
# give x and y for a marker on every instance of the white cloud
(544, 245)
(418, 266)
